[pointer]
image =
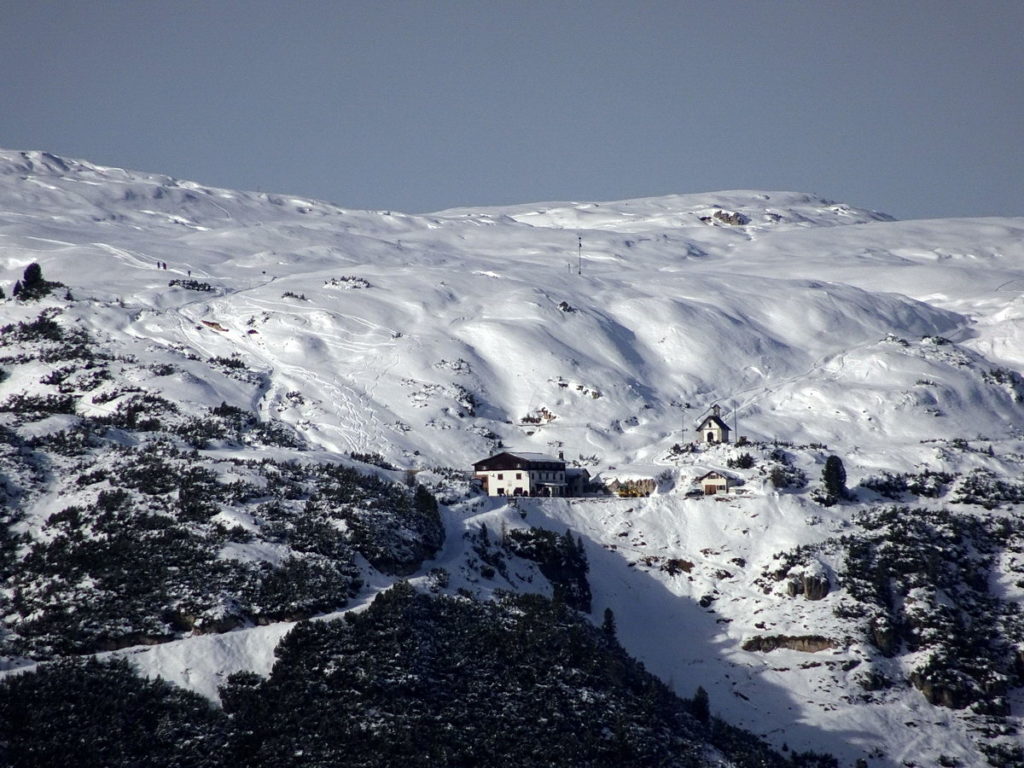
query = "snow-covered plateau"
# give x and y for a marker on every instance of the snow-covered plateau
(414, 345)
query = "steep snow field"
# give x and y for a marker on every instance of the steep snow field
(603, 330)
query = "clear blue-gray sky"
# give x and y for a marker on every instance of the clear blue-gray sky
(913, 107)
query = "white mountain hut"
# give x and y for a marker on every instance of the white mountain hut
(522, 474)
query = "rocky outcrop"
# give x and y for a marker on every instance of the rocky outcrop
(942, 693)
(947, 686)
(811, 580)
(810, 585)
(735, 218)
(883, 636)
(802, 643)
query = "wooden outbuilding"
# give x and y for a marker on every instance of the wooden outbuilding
(713, 482)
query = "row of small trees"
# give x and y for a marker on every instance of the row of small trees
(32, 285)
(833, 476)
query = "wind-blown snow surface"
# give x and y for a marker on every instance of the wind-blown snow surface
(432, 339)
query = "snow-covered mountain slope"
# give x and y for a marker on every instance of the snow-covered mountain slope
(430, 333)
(603, 330)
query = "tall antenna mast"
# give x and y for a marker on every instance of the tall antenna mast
(579, 239)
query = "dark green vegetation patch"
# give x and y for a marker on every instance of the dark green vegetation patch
(412, 681)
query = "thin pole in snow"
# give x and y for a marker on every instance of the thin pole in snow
(579, 240)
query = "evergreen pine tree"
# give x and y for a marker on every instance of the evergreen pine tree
(424, 501)
(33, 275)
(833, 477)
(17, 288)
(567, 547)
(608, 625)
(701, 705)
